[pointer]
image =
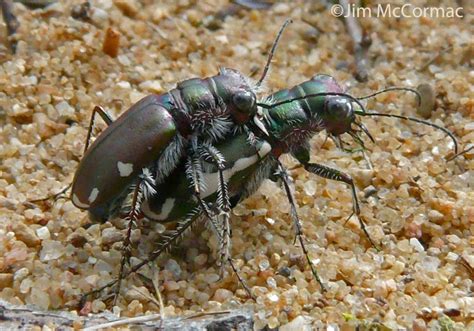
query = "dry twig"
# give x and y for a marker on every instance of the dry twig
(11, 21)
(361, 43)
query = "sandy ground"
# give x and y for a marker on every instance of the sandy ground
(418, 206)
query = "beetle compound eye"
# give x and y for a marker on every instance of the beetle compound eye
(339, 107)
(244, 101)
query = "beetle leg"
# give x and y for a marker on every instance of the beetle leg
(168, 240)
(241, 280)
(143, 190)
(283, 175)
(194, 173)
(334, 174)
(56, 196)
(223, 204)
(104, 115)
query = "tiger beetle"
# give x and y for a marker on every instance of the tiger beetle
(162, 129)
(198, 150)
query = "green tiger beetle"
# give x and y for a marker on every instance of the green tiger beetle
(209, 183)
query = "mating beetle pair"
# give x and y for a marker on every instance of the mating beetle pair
(201, 148)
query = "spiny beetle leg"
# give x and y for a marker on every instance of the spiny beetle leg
(126, 244)
(211, 154)
(163, 246)
(143, 190)
(220, 218)
(334, 174)
(283, 175)
(460, 153)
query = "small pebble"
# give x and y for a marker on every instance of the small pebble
(20, 274)
(416, 245)
(43, 233)
(26, 234)
(111, 42)
(173, 266)
(428, 99)
(300, 323)
(6, 280)
(52, 250)
(222, 295)
(128, 7)
(110, 236)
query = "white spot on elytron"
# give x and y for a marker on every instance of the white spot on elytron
(93, 195)
(212, 179)
(166, 209)
(78, 203)
(125, 169)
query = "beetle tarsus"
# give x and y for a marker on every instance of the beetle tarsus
(55, 196)
(241, 280)
(334, 174)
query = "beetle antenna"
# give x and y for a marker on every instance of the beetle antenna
(272, 51)
(417, 120)
(388, 89)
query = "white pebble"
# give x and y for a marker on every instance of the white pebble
(123, 84)
(152, 86)
(273, 297)
(212, 278)
(469, 126)
(300, 323)
(20, 274)
(264, 264)
(416, 245)
(452, 238)
(174, 268)
(222, 295)
(43, 233)
(64, 108)
(51, 250)
(99, 16)
(124, 60)
(452, 256)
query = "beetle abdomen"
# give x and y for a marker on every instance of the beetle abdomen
(119, 154)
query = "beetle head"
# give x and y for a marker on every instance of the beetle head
(236, 91)
(338, 115)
